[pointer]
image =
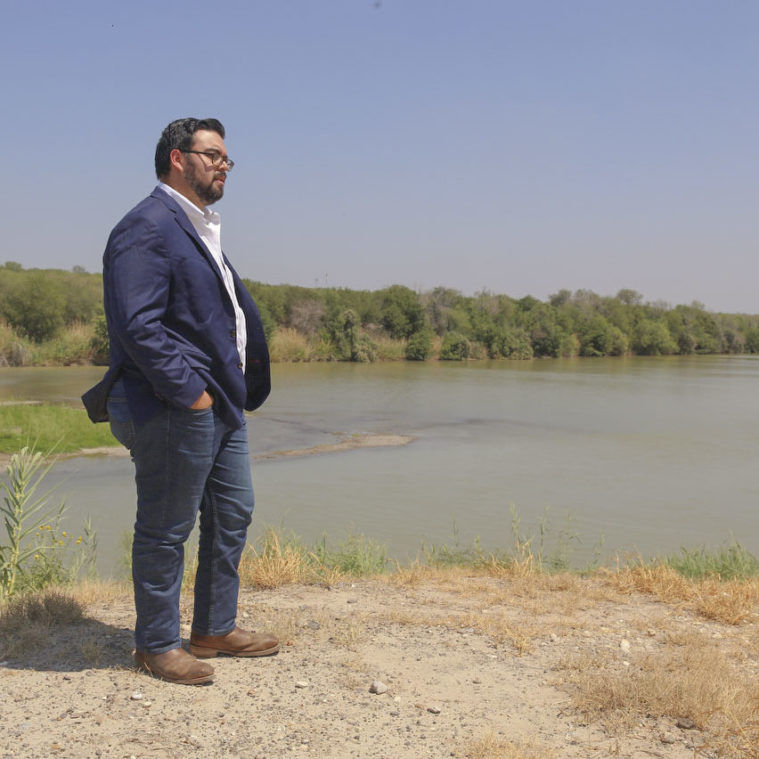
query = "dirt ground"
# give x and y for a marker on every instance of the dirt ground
(472, 668)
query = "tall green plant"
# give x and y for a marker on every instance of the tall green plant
(24, 514)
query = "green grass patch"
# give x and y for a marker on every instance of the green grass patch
(48, 427)
(731, 562)
(357, 556)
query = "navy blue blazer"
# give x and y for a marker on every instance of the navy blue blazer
(171, 322)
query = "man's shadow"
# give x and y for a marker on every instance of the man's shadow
(77, 646)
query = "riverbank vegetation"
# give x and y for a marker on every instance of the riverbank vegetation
(54, 317)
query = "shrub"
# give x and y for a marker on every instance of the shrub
(34, 306)
(419, 346)
(455, 347)
(14, 350)
(71, 346)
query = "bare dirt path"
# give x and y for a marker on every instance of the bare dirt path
(472, 666)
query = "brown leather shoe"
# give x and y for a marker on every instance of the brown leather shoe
(176, 666)
(239, 642)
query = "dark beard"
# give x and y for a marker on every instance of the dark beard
(208, 194)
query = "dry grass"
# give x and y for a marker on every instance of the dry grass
(26, 622)
(348, 632)
(289, 625)
(498, 629)
(283, 623)
(417, 574)
(495, 626)
(524, 563)
(731, 602)
(276, 565)
(89, 592)
(387, 349)
(693, 679)
(553, 597)
(288, 344)
(492, 747)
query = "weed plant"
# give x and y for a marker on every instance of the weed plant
(356, 557)
(37, 553)
(731, 562)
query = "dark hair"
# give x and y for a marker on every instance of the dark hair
(178, 136)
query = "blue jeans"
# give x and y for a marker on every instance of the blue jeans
(186, 462)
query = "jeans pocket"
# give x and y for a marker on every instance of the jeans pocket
(198, 411)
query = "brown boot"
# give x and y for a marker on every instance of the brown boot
(176, 666)
(236, 643)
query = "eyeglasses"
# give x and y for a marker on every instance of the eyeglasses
(216, 158)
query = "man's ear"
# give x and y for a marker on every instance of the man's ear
(176, 160)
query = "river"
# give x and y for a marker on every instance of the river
(613, 456)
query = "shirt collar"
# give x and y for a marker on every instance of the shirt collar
(204, 214)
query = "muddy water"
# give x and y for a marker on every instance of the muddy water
(610, 455)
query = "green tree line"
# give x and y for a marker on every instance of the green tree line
(51, 316)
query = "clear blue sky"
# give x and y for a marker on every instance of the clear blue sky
(521, 147)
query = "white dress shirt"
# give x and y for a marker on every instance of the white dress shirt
(207, 224)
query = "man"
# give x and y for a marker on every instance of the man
(188, 354)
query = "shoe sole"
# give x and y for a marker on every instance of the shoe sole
(201, 652)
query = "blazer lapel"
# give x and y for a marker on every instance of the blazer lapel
(187, 227)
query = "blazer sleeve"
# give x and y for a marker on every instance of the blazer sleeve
(137, 276)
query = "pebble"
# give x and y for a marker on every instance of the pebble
(667, 738)
(313, 624)
(433, 709)
(378, 687)
(136, 696)
(685, 723)
(624, 644)
(301, 684)
(554, 637)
